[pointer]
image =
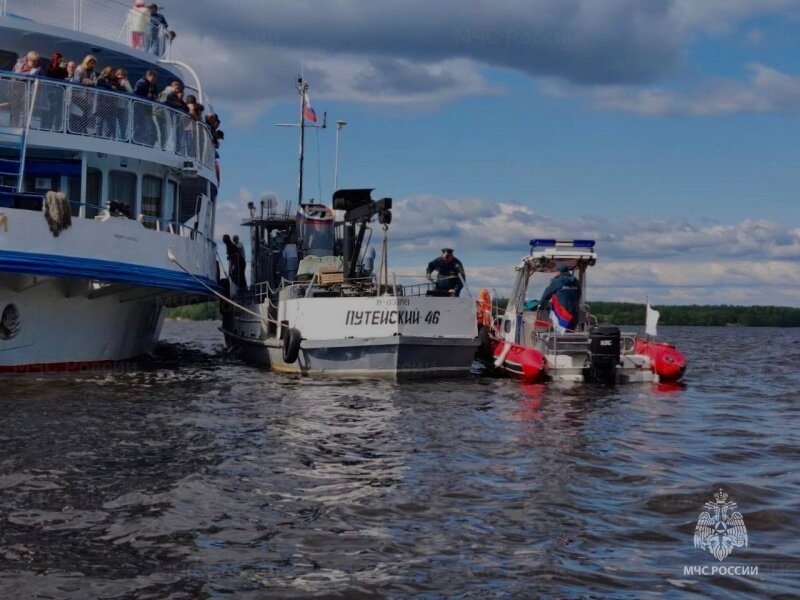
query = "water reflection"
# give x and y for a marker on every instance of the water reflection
(196, 476)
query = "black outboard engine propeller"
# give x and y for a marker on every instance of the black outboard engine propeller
(604, 354)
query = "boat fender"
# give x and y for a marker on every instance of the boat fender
(291, 345)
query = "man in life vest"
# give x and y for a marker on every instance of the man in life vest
(450, 275)
(565, 292)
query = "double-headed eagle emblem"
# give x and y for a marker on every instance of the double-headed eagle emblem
(720, 532)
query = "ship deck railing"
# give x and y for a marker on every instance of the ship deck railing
(36, 202)
(78, 110)
(108, 19)
(261, 292)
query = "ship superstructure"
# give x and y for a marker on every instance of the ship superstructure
(107, 199)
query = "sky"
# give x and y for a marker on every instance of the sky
(666, 130)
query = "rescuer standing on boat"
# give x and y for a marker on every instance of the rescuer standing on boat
(565, 289)
(450, 275)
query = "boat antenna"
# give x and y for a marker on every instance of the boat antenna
(302, 89)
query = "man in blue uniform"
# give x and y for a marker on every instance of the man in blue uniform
(450, 275)
(565, 291)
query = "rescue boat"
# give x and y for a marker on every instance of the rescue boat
(527, 341)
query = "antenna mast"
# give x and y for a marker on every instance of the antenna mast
(302, 88)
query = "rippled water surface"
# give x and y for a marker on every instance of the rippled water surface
(194, 476)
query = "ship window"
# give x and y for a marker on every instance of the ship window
(171, 207)
(74, 195)
(122, 189)
(152, 194)
(94, 192)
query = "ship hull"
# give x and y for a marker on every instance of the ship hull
(56, 324)
(389, 358)
(367, 336)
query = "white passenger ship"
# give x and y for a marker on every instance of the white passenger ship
(101, 228)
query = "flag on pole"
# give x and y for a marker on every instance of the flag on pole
(651, 321)
(308, 112)
(560, 316)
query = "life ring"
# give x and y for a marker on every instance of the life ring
(291, 345)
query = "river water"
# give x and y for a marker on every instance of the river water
(190, 475)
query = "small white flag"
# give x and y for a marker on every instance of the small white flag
(651, 321)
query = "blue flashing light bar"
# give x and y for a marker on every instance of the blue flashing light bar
(541, 243)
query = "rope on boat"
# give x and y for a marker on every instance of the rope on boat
(264, 319)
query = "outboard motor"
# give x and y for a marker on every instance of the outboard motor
(604, 355)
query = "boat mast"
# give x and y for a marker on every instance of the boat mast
(302, 87)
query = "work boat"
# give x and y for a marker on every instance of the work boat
(317, 305)
(106, 198)
(529, 343)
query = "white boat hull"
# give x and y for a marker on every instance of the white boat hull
(93, 295)
(60, 326)
(385, 337)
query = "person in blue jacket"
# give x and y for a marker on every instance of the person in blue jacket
(567, 291)
(450, 275)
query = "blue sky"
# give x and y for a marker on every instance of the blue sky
(667, 129)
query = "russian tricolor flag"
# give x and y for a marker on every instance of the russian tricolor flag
(308, 112)
(560, 316)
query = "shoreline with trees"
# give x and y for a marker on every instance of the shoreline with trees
(619, 313)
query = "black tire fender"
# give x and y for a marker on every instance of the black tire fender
(291, 345)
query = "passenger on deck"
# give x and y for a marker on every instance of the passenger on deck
(565, 292)
(53, 117)
(85, 74)
(146, 87)
(172, 88)
(80, 122)
(108, 109)
(195, 108)
(71, 66)
(237, 263)
(108, 79)
(123, 83)
(55, 68)
(158, 31)
(138, 20)
(239, 245)
(450, 276)
(28, 65)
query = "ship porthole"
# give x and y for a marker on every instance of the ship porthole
(9, 322)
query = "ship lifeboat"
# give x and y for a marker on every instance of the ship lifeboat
(665, 359)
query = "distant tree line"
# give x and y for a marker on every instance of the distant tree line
(629, 313)
(207, 311)
(619, 313)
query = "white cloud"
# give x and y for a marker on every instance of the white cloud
(422, 54)
(671, 261)
(767, 90)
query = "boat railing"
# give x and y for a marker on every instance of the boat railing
(74, 109)
(109, 19)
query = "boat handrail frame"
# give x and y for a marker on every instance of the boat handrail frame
(110, 20)
(114, 116)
